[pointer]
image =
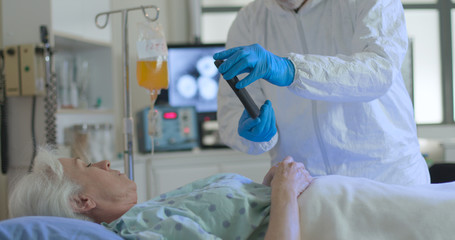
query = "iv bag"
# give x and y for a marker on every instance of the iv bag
(151, 68)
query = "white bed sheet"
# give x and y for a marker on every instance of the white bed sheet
(337, 207)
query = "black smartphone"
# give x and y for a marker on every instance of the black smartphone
(242, 94)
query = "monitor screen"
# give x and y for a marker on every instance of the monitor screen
(193, 76)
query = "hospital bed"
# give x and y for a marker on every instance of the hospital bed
(333, 207)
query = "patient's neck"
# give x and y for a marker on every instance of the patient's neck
(109, 213)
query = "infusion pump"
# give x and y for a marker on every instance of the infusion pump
(175, 129)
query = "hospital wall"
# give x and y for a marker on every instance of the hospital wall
(3, 179)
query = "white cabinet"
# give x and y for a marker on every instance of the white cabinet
(83, 55)
(163, 172)
(84, 73)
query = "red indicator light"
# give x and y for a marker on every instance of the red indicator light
(186, 130)
(170, 115)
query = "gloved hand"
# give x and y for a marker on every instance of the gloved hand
(259, 62)
(261, 129)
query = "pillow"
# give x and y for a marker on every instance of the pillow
(45, 227)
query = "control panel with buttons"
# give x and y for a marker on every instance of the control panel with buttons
(175, 128)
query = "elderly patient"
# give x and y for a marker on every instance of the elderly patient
(226, 206)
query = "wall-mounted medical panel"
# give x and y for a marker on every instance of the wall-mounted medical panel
(11, 55)
(24, 70)
(31, 70)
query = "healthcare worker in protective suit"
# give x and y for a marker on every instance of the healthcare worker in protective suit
(326, 75)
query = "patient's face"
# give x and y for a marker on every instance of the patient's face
(100, 181)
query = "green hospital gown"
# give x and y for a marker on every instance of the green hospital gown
(223, 206)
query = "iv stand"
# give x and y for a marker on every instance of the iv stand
(127, 116)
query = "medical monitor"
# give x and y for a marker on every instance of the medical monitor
(193, 76)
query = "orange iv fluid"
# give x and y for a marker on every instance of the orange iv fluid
(152, 74)
(151, 65)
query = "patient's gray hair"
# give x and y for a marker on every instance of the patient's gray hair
(45, 191)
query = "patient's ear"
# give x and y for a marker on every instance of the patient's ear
(82, 203)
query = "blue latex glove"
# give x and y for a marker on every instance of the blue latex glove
(259, 62)
(261, 129)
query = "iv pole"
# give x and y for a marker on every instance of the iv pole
(127, 115)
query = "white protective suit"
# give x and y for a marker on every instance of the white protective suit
(347, 111)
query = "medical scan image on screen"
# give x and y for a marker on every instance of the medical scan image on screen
(193, 77)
